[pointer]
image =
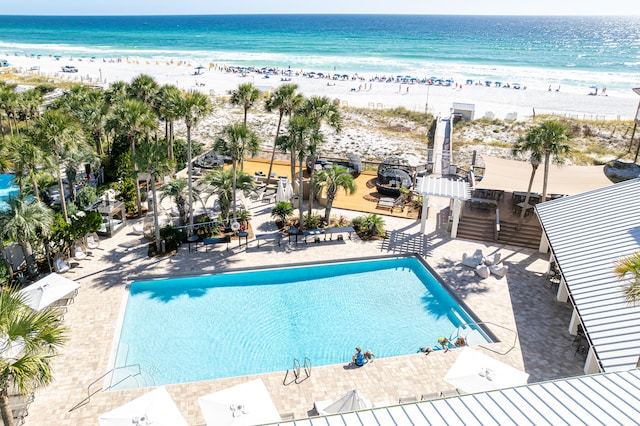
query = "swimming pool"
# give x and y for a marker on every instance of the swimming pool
(7, 188)
(234, 324)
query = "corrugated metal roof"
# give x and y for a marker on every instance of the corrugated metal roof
(588, 233)
(443, 187)
(608, 399)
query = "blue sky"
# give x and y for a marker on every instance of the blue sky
(463, 7)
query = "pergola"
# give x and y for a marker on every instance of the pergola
(457, 190)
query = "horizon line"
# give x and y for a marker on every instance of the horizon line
(317, 14)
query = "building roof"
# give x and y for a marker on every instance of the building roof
(612, 398)
(513, 175)
(443, 187)
(588, 233)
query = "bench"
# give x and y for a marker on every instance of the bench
(391, 203)
(339, 230)
(212, 241)
(271, 236)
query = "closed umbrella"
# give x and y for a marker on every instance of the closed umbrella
(280, 196)
(474, 371)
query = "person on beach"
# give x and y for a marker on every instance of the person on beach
(358, 358)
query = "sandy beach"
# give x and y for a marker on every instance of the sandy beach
(361, 91)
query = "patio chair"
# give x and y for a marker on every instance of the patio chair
(499, 270)
(78, 252)
(483, 271)
(492, 260)
(474, 260)
(92, 241)
(60, 265)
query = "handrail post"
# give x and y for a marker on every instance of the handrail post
(496, 227)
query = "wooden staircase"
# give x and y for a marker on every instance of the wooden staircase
(481, 229)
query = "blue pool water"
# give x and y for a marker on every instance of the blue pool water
(233, 324)
(7, 188)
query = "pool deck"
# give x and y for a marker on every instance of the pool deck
(521, 302)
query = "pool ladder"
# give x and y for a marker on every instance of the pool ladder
(298, 371)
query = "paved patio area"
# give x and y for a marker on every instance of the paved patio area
(520, 302)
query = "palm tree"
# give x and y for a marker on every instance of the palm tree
(132, 119)
(153, 159)
(27, 157)
(285, 100)
(168, 107)
(175, 189)
(31, 339)
(332, 180)
(246, 96)
(90, 108)
(630, 266)
(319, 110)
(21, 221)
(236, 139)
(226, 183)
(58, 135)
(193, 107)
(144, 88)
(545, 141)
(8, 103)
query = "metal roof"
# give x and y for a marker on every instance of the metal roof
(610, 398)
(588, 233)
(443, 187)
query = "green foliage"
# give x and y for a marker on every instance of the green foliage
(63, 234)
(126, 193)
(172, 237)
(281, 211)
(86, 196)
(402, 112)
(243, 217)
(369, 226)
(314, 221)
(180, 151)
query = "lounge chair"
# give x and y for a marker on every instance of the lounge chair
(138, 229)
(483, 271)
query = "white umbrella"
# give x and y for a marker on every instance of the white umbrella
(288, 190)
(474, 371)
(245, 404)
(353, 400)
(48, 290)
(280, 195)
(153, 408)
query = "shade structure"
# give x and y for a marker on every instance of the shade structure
(474, 371)
(512, 175)
(351, 401)
(153, 408)
(243, 405)
(48, 290)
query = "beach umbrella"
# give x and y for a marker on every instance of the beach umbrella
(153, 408)
(48, 290)
(246, 404)
(474, 371)
(353, 400)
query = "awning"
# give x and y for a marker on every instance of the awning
(443, 187)
(513, 175)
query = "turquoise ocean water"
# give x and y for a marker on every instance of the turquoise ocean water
(575, 51)
(189, 329)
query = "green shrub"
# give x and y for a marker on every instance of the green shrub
(172, 237)
(369, 226)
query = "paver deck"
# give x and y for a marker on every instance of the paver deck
(521, 301)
